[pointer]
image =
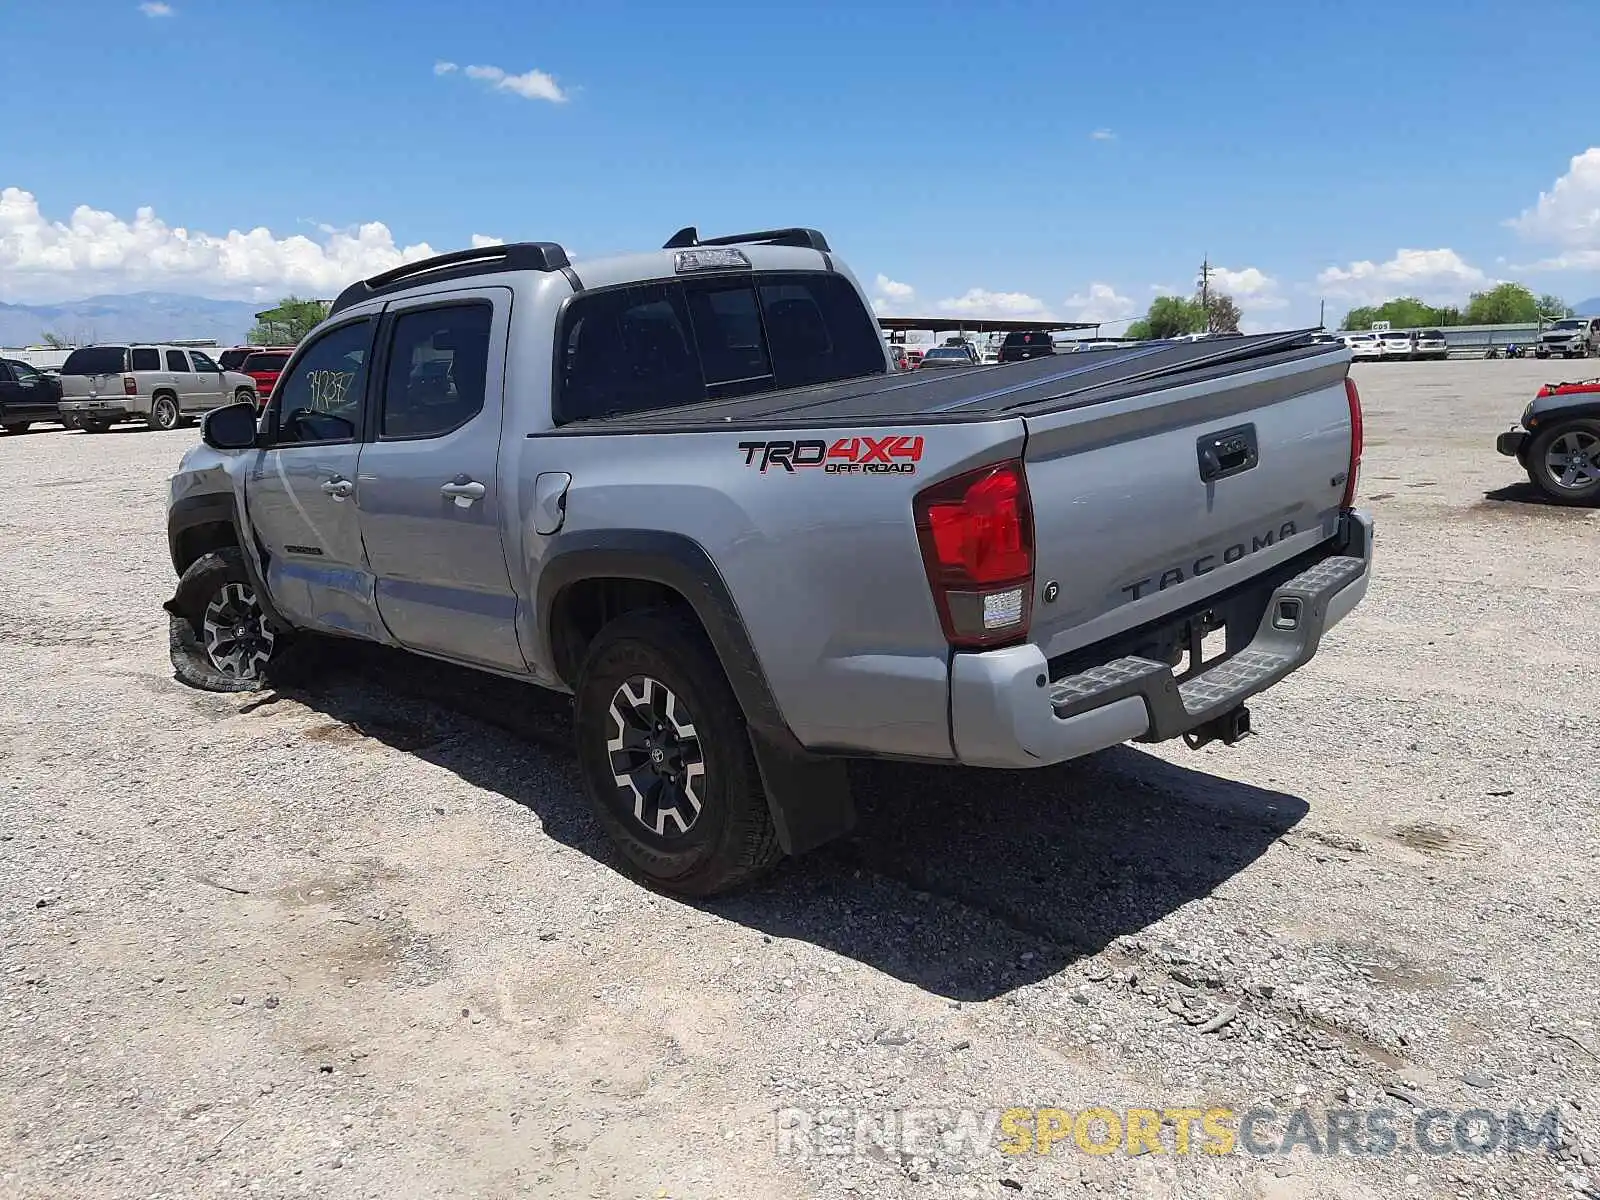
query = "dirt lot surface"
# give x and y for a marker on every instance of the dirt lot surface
(360, 938)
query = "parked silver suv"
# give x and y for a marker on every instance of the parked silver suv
(159, 384)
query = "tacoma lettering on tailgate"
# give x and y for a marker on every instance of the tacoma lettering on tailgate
(1206, 563)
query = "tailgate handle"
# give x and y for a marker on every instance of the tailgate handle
(1227, 453)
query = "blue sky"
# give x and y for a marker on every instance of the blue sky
(1016, 157)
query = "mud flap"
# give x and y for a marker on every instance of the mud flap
(808, 795)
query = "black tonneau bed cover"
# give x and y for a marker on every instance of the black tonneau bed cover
(1028, 388)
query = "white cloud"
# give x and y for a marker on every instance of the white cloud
(480, 240)
(890, 297)
(530, 85)
(1103, 135)
(1567, 216)
(979, 302)
(444, 68)
(1434, 275)
(154, 8)
(1250, 287)
(96, 251)
(893, 289)
(1102, 303)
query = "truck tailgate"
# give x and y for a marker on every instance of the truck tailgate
(1154, 500)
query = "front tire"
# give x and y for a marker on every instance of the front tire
(221, 640)
(165, 413)
(244, 396)
(1564, 462)
(666, 759)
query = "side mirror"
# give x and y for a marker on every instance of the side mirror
(231, 427)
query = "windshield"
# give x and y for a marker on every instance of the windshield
(265, 362)
(1432, 333)
(1570, 323)
(95, 360)
(943, 352)
(1396, 337)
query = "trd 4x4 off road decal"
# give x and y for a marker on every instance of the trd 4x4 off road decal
(896, 454)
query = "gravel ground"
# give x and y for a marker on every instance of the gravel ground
(359, 937)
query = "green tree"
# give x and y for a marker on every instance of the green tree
(1553, 308)
(1170, 316)
(1503, 304)
(1222, 314)
(1403, 312)
(54, 340)
(288, 323)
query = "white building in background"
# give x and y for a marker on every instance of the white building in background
(43, 357)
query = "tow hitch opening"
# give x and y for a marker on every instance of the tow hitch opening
(1230, 728)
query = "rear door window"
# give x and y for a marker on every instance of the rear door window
(438, 367)
(144, 359)
(176, 361)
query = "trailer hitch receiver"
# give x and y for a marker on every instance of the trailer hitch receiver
(1230, 728)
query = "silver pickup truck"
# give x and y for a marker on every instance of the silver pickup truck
(686, 486)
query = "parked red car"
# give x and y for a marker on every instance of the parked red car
(264, 366)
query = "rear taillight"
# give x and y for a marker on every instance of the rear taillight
(1357, 438)
(976, 533)
(130, 386)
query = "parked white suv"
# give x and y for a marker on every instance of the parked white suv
(1363, 346)
(158, 384)
(1394, 343)
(1430, 343)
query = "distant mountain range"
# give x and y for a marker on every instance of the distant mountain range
(137, 316)
(1588, 308)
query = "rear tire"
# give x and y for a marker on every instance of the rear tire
(18, 426)
(220, 639)
(666, 759)
(94, 426)
(165, 414)
(1564, 462)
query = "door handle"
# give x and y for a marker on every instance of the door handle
(339, 488)
(463, 491)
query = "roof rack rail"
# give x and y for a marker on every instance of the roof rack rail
(809, 239)
(480, 260)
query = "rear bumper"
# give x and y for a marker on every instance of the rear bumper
(1009, 710)
(1510, 442)
(108, 410)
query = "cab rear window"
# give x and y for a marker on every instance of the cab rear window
(652, 346)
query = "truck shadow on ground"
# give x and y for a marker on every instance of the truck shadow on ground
(967, 883)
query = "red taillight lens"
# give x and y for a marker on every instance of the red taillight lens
(1357, 441)
(130, 386)
(976, 533)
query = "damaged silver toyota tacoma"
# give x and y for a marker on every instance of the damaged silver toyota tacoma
(688, 487)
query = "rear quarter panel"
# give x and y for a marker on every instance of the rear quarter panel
(824, 567)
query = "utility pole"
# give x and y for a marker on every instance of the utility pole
(1205, 290)
(1322, 313)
